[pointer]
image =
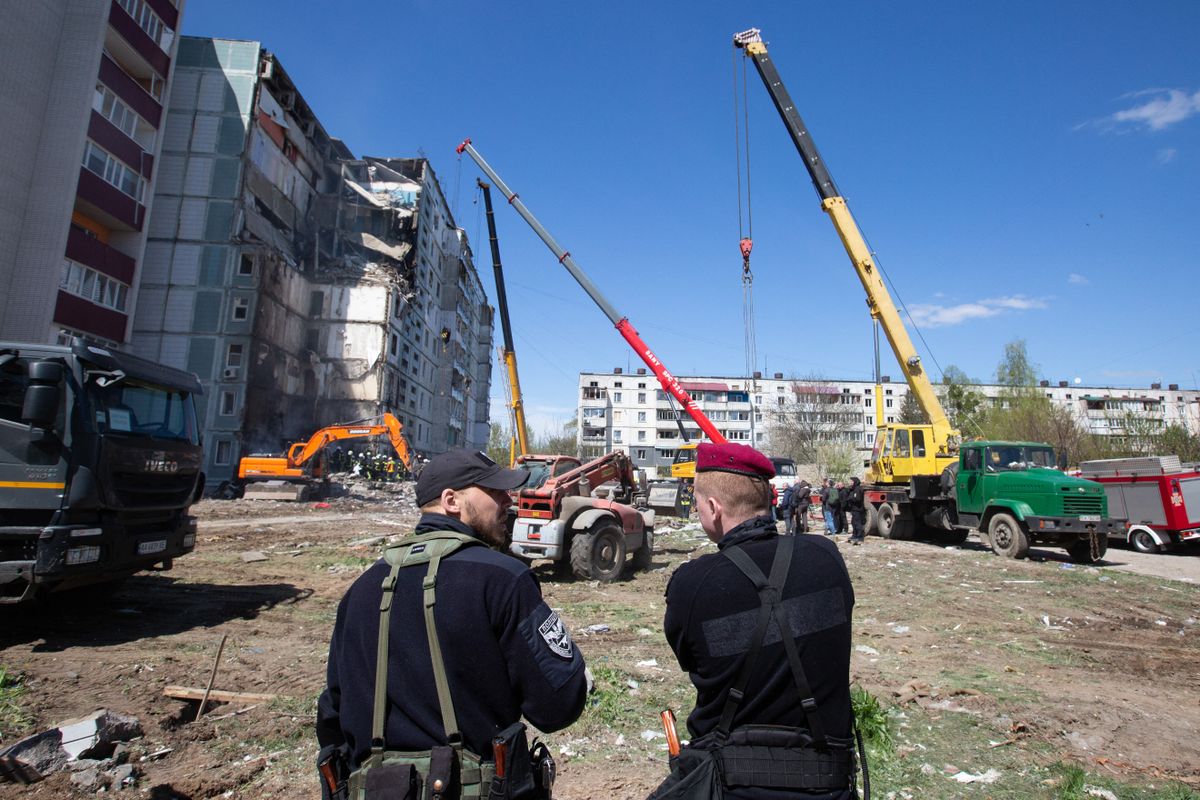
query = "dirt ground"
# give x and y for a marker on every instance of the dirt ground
(983, 663)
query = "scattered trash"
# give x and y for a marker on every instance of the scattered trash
(321, 505)
(650, 662)
(1066, 566)
(900, 629)
(650, 736)
(632, 684)
(597, 629)
(1096, 791)
(991, 776)
(870, 651)
(1160, 622)
(251, 556)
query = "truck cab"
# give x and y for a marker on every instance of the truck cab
(100, 459)
(1015, 495)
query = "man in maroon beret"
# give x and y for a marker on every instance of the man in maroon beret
(762, 651)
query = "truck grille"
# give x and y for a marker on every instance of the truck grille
(140, 490)
(18, 549)
(147, 522)
(1083, 504)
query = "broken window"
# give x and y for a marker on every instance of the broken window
(241, 309)
(641, 455)
(246, 265)
(233, 356)
(228, 402)
(316, 303)
(224, 453)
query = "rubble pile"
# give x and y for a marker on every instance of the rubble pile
(94, 748)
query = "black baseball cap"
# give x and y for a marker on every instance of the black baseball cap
(458, 469)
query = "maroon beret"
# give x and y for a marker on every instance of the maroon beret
(737, 458)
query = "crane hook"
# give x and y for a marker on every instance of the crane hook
(746, 245)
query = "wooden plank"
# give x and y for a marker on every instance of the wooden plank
(190, 693)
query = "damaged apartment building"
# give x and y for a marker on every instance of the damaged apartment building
(305, 287)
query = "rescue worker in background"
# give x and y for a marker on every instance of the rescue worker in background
(747, 676)
(801, 499)
(826, 509)
(785, 509)
(858, 512)
(505, 654)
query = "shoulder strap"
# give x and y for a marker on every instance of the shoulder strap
(425, 548)
(770, 593)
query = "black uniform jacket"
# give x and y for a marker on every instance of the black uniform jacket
(507, 655)
(710, 620)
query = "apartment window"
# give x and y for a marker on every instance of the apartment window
(758, 399)
(224, 453)
(227, 404)
(616, 384)
(641, 455)
(316, 303)
(593, 413)
(887, 391)
(109, 167)
(641, 386)
(641, 397)
(616, 435)
(246, 265)
(241, 308)
(641, 416)
(233, 356)
(617, 396)
(780, 400)
(91, 285)
(867, 402)
(109, 106)
(641, 436)
(867, 418)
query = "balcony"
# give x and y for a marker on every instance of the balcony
(107, 204)
(594, 393)
(84, 315)
(138, 44)
(112, 139)
(92, 252)
(130, 91)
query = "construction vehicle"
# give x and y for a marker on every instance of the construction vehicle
(292, 476)
(1158, 496)
(519, 442)
(587, 517)
(100, 461)
(920, 480)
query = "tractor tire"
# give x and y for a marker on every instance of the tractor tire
(1143, 542)
(1081, 551)
(599, 554)
(643, 555)
(1007, 536)
(872, 524)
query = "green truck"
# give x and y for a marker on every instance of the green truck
(1014, 495)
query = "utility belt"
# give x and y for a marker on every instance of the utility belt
(446, 772)
(771, 757)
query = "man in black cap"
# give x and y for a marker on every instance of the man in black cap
(762, 651)
(503, 653)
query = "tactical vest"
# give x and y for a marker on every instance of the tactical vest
(448, 771)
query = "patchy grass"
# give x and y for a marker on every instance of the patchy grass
(873, 722)
(13, 717)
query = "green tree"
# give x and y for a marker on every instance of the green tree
(963, 404)
(497, 447)
(1175, 440)
(911, 412)
(1015, 370)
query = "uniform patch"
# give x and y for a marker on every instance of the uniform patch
(556, 635)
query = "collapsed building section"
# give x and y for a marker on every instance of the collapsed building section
(304, 286)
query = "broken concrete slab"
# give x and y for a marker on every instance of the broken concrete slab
(251, 556)
(276, 490)
(92, 737)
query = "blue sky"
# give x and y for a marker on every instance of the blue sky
(1022, 169)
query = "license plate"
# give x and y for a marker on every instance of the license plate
(155, 546)
(1089, 517)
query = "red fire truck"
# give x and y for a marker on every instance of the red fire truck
(1157, 495)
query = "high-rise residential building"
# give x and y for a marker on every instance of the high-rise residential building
(304, 286)
(628, 411)
(83, 85)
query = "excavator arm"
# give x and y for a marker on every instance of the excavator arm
(301, 452)
(879, 300)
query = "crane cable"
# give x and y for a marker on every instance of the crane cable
(745, 234)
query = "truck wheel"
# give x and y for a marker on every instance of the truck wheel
(872, 522)
(599, 555)
(1081, 551)
(1143, 542)
(1008, 537)
(642, 556)
(890, 525)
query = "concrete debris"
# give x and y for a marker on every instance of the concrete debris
(991, 776)
(865, 650)
(1096, 791)
(251, 556)
(95, 736)
(597, 629)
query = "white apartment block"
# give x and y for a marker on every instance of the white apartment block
(629, 411)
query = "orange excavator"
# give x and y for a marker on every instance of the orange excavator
(301, 462)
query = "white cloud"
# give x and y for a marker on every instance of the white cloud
(928, 315)
(1078, 280)
(1167, 155)
(1164, 108)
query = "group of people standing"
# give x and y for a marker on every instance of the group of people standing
(838, 501)
(442, 647)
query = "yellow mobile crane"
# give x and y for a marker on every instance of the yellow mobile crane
(920, 478)
(519, 442)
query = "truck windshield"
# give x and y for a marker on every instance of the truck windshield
(130, 408)
(685, 455)
(784, 468)
(1008, 458)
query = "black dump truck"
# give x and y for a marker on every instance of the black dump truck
(100, 460)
